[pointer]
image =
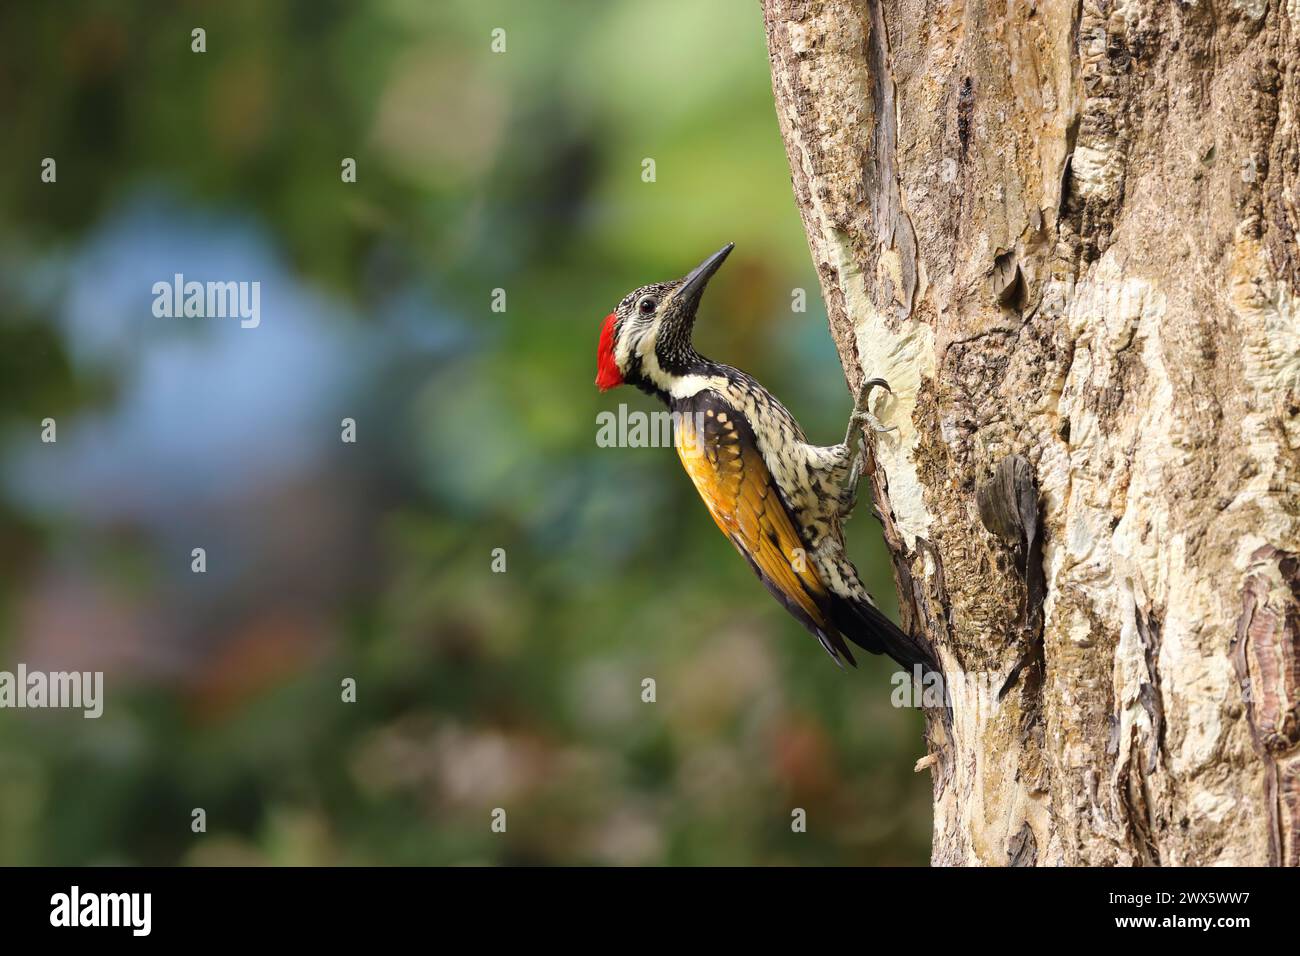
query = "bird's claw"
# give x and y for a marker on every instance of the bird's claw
(862, 417)
(864, 390)
(862, 408)
(874, 423)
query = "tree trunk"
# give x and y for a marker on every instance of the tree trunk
(1065, 234)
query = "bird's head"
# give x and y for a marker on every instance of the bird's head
(646, 341)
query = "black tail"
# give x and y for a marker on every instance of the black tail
(866, 626)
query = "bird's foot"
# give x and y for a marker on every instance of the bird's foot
(862, 418)
(862, 414)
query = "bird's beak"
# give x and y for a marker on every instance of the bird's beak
(692, 286)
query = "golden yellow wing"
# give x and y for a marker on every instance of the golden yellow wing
(717, 449)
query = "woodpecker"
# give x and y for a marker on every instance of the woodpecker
(780, 500)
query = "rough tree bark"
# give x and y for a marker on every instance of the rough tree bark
(1066, 234)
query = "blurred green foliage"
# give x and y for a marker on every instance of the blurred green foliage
(476, 171)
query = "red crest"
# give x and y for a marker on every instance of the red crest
(607, 374)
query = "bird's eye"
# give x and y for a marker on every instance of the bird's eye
(647, 305)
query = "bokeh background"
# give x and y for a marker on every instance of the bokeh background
(476, 430)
